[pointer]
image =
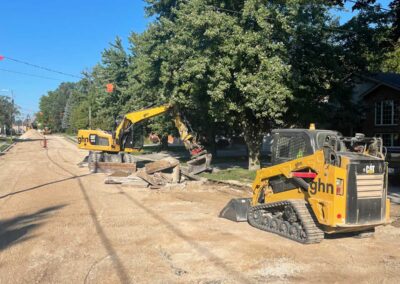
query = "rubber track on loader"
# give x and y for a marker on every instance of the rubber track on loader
(310, 231)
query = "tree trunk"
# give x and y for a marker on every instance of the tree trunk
(211, 141)
(164, 142)
(253, 139)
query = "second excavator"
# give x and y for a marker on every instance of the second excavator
(120, 146)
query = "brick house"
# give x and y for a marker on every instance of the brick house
(379, 98)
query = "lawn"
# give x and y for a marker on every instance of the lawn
(238, 174)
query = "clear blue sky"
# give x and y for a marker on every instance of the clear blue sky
(66, 35)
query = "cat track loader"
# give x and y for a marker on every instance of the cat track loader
(319, 182)
(115, 150)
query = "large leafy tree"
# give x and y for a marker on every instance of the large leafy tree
(112, 70)
(52, 106)
(8, 112)
(226, 67)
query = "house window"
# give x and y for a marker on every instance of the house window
(390, 139)
(386, 112)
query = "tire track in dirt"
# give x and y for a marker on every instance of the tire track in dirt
(116, 261)
(6, 197)
(205, 252)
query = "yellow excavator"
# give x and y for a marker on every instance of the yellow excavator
(119, 146)
(319, 182)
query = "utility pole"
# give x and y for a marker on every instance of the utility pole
(90, 117)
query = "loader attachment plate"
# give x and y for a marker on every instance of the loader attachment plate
(236, 210)
(199, 164)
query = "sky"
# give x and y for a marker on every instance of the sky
(65, 35)
(68, 36)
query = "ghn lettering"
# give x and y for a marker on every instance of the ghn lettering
(320, 187)
(82, 139)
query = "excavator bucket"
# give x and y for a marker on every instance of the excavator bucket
(199, 164)
(236, 209)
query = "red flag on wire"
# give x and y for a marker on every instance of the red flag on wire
(1, 57)
(110, 88)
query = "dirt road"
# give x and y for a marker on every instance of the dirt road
(60, 224)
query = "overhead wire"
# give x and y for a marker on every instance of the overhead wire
(43, 68)
(29, 74)
(379, 7)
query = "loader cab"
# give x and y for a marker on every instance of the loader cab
(290, 144)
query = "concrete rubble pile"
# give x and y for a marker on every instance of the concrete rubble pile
(154, 174)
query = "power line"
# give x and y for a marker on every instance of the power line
(43, 68)
(379, 7)
(28, 74)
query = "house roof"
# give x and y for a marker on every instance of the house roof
(391, 80)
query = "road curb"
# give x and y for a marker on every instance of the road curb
(7, 149)
(70, 139)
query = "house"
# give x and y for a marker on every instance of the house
(378, 95)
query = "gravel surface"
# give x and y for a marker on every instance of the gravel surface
(61, 224)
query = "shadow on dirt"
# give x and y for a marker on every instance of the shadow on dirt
(212, 258)
(116, 261)
(17, 229)
(41, 185)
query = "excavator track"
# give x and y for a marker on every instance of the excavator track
(291, 219)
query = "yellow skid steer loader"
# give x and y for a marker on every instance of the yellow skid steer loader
(319, 182)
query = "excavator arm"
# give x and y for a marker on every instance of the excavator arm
(188, 137)
(137, 116)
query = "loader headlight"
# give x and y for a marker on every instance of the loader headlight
(339, 186)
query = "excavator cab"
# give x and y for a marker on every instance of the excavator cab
(133, 137)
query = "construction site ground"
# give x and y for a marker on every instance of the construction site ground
(61, 224)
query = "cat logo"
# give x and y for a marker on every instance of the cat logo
(369, 169)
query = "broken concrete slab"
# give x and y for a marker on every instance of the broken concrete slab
(148, 178)
(161, 165)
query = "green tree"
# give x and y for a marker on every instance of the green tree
(367, 40)
(113, 70)
(53, 104)
(8, 112)
(225, 66)
(392, 61)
